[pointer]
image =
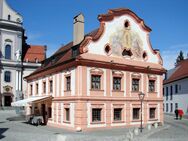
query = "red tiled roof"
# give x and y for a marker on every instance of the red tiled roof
(33, 52)
(180, 72)
(63, 56)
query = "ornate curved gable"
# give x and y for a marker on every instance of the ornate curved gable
(126, 36)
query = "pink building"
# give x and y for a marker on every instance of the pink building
(94, 81)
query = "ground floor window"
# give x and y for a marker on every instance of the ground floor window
(117, 114)
(171, 107)
(96, 114)
(152, 113)
(166, 107)
(136, 112)
(67, 114)
(176, 105)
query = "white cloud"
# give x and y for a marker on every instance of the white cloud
(169, 56)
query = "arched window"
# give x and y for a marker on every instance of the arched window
(7, 76)
(7, 52)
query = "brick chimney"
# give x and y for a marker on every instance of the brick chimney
(78, 32)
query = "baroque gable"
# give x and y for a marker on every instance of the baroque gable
(122, 34)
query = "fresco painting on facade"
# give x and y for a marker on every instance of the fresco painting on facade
(95, 80)
(128, 40)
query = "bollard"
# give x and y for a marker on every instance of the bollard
(149, 126)
(156, 125)
(78, 129)
(136, 132)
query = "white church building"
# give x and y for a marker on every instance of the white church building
(17, 58)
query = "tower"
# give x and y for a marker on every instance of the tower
(17, 58)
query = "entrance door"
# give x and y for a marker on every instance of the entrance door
(7, 100)
(44, 113)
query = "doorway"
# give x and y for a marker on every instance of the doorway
(43, 110)
(7, 100)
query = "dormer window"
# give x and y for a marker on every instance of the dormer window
(9, 17)
(127, 53)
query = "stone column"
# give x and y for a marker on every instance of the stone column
(20, 81)
(17, 83)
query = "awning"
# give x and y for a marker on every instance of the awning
(33, 99)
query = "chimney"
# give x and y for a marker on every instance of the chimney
(78, 32)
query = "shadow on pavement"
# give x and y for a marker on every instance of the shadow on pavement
(2, 130)
(16, 118)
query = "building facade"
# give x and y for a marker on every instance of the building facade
(17, 59)
(95, 80)
(175, 88)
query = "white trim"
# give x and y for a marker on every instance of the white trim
(57, 84)
(62, 113)
(111, 81)
(88, 81)
(57, 104)
(158, 86)
(142, 82)
(62, 84)
(73, 79)
(104, 81)
(88, 114)
(52, 112)
(125, 84)
(158, 111)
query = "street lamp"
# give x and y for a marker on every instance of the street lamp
(141, 98)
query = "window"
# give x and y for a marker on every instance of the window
(44, 87)
(67, 112)
(136, 112)
(7, 76)
(144, 55)
(96, 114)
(96, 82)
(117, 114)
(176, 88)
(9, 17)
(37, 88)
(171, 107)
(107, 49)
(152, 113)
(127, 24)
(135, 85)
(117, 83)
(176, 105)
(163, 91)
(68, 83)
(75, 52)
(51, 86)
(151, 85)
(166, 107)
(171, 92)
(7, 52)
(166, 93)
(31, 89)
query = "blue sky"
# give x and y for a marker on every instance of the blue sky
(50, 22)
